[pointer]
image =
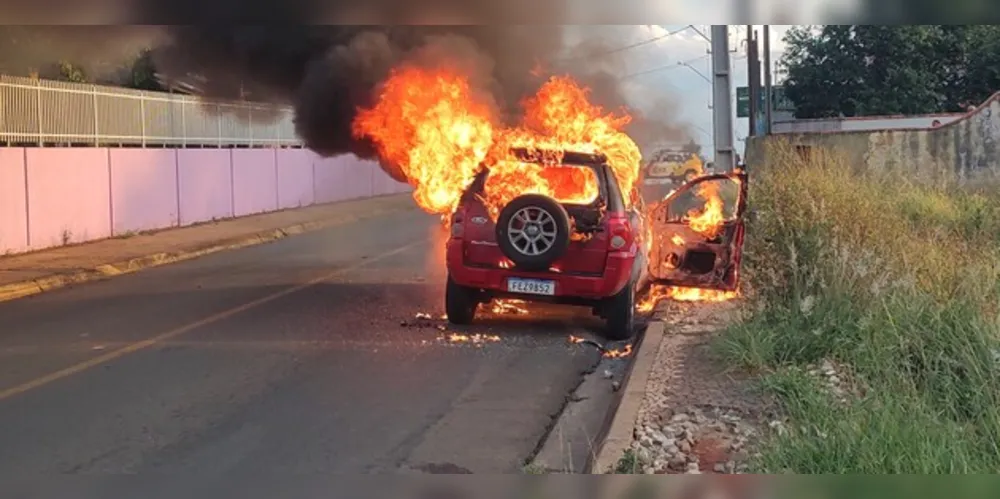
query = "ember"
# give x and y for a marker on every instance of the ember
(508, 307)
(605, 352)
(475, 339)
(618, 354)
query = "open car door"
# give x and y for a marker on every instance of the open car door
(697, 233)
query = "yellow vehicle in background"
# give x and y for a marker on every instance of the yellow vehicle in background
(673, 166)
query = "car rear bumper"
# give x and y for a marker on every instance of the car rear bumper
(616, 275)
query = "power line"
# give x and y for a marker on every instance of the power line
(663, 68)
(672, 66)
(627, 47)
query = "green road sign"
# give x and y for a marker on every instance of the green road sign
(742, 102)
(778, 99)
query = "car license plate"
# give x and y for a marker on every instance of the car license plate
(531, 286)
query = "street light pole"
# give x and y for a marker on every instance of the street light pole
(768, 91)
(722, 115)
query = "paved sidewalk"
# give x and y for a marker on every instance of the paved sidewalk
(30, 273)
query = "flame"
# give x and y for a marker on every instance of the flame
(618, 354)
(475, 339)
(440, 133)
(678, 293)
(677, 240)
(575, 339)
(507, 306)
(430, 124)
(709, 220)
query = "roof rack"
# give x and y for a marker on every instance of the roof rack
(569, 157)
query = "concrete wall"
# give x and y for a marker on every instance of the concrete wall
(968, 146)
(864, 123)
(55, 196)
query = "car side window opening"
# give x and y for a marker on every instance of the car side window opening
(718, 195)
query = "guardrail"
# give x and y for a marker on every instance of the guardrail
(44, 113)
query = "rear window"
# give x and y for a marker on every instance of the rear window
(567, 184)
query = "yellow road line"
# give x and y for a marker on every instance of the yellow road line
(135, 347)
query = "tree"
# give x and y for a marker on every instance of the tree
(859, 70)
(692, 147)
(142, 73)
(71, 72)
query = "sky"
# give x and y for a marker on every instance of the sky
(678, 68)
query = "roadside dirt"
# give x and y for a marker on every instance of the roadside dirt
(697, 416)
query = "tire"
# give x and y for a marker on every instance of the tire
(555, 220)
(620, 314)
(460, 303)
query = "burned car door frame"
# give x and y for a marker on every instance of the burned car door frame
(682, 256)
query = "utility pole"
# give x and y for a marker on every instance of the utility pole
(768, 84)
(722, 111)
(751, 82)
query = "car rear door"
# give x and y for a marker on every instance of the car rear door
(697, 233)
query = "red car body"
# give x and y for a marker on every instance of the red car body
(604, 269)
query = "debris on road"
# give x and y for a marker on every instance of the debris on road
(508, 307)
(475, 339)
(424, 320)
(605, 351)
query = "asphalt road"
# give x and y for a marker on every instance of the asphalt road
(241, 370)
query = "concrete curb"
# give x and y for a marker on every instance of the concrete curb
(623, 416)
(23, 289)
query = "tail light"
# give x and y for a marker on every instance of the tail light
(458, 224)
(621, 233)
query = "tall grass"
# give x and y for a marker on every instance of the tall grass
(893, 277)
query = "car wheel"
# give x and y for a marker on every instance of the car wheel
(460, 303)
(620, 314)
(533, 231)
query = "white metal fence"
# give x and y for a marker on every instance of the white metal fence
(45, 112)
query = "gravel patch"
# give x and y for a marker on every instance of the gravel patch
(696, 417)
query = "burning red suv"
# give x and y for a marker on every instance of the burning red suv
(593, 254)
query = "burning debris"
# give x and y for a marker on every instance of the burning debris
(475, 339)
(508, 307)
(657, 294)
(605, 351)
(425, 320)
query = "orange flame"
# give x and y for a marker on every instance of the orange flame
(683, 294)
(432, 126)
(475, 339)
(618, 354)
(709, 220)
(508, 307)
(440, 133)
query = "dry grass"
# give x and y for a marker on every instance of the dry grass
(892, 276)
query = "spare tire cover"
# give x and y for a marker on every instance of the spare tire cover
(533, 231)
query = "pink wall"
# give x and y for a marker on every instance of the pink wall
(13, 204)
(329, 183)
(143, 189)
(255, 181)
(206, 184)
(295, 178)
(83, 194)
(69, 196)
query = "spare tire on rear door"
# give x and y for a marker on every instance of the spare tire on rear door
(533, 231)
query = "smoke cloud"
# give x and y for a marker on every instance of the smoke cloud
(327, 72)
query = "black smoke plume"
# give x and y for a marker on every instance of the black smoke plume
(327, 72)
